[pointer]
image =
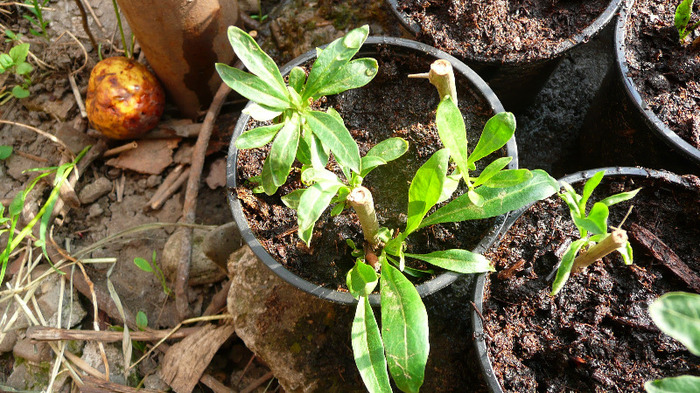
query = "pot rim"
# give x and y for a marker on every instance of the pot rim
(424, 289)
(478, 296)
(657, 126)
(577, 39)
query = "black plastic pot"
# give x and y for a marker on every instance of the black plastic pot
(478, 297)
(517, 84)
(402, 47)
(620, 118)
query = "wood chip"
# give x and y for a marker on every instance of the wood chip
(150, 157)
(184, 363)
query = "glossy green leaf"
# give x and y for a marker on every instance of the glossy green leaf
(361, 280)
(5, 152)
(337, 209)
(621, 197)
(449, 186)
(291, 200)
(627, 253)
(331, 59)
(588, 188)
(596, 222)
(497, 200)
(19, 53)
(508, 178)
(567, 262)
(143, 264)
(352, 75)
(311, 205)
(404, 329)
(389, 149)
(475, 198)
(368, 163)
(260, 113)
(284, 150)
(333, 135)
(254, 88)
(453, 133)
(456, 260)
(678, 315)
(681, 17)
(297, 77)
(680, 384)
(491, 170)
(497, 132)
(256, 60)
(426, 188)
(258, 137)
(368, 349)
(571, 198)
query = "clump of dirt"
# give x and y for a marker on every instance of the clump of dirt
(596, 334)
(665, 72)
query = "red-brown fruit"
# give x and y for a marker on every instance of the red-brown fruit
(124, 99)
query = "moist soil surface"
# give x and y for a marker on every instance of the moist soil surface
(665, 72)
(501, 30)
(596, 334)
(390, 106)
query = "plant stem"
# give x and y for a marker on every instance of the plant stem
(442, 77)
(360, 198)
(610, 243)
(127, 53)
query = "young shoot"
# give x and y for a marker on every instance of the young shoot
(682, 17)
(298, 132)
(15, 62)
(594, 241)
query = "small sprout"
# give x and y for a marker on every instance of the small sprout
(141, 320)
(594, 241)
(15, 62)
(682, 18)
(152, 267)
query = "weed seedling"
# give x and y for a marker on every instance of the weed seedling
(152, 267)
(36, 8)
(310, 136)
(594, 241)
(15, 62)
(682, 18)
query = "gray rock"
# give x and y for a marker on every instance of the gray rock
(30, 377)
(155, 382)
(71, 313)
(33, 353)
(221, 242)
(115, 358)
(7, 341)
(95, 190)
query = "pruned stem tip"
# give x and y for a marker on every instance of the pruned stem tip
(360, 199)
(442, 77)
(610, 243)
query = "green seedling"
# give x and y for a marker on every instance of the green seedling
(5, 152)
(36, 8)
(682, 18)
(8, 224)
(298, 132)
(12, 37)
(401, 347)
(678, 315)
(260, 17)
(15, 62)
(152, 267)
(141, 320)
(594, 241)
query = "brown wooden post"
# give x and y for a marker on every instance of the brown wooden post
(182, 39)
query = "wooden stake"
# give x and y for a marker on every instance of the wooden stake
(610, 243)
(442, 77)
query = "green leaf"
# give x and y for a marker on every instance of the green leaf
(361, 280)
(680, 384)
(256, 61)
(19, 53)
(284, 150)
(621, 197)
(475, 198)
(23, 68)
(460, 261)
(426, 188)
(17, 204)
(297, 77)
(571, 198)
(143, 264)
(332, 59)
(260, 113)
(258, 137)
(597, 220)
(368, 349)
(337, 209)
(141, 320)
(453, 133)
(588, 188)
(627, 254)
(389, 149)
(291, 200)
(253, 88)
(491, 170)
(333, 135)
(6, 61)
(5, 152)
(678, 315)
(497, 132)
(497, 200)
(682, 17)
(311, 205)
(508, 178)
(449, 186)
(368, 163)
(352, 75)
(567, 262)
(267, 177)
(404, 329)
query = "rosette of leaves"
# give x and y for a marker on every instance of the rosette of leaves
(682, 17)
(297, 130)
(678, 315)
(15, 62)
(592, 227)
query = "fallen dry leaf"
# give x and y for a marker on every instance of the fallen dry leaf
(151, 156)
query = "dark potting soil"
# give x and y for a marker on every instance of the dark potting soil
(666, 73)
(390, 106)
(501, 30)
(596, 334)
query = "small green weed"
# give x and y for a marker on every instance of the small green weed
(152, 267)
(15, 62)
(36, 8)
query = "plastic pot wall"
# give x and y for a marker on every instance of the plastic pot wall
(478, 297)
(401, 47)
(517, 84)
